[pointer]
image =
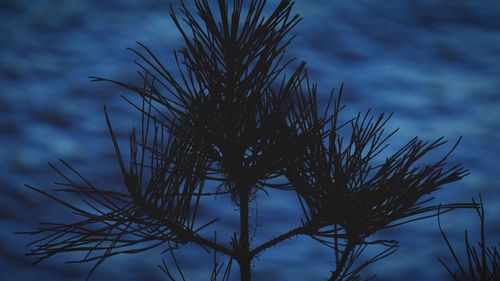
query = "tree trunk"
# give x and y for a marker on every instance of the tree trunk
(244, 255)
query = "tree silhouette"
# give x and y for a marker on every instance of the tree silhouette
(483, 262)
(239, 114)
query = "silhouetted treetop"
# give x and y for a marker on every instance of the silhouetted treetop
(237, 118)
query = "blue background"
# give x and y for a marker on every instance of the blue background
(435, 64)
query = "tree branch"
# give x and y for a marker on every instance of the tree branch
(305, 229)
(209, 244)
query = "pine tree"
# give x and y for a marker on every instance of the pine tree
(238, 118)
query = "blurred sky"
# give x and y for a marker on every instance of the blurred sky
(435, 64)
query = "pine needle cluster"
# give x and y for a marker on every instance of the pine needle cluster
(238, 113)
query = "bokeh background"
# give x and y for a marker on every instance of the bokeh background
(435, 64)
